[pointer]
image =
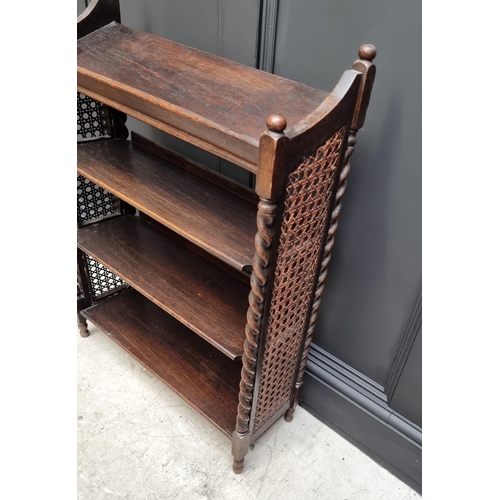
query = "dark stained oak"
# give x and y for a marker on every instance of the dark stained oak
(206, 173)
(212, 102)
(197, 372)
(198, 293)
(194, 236)
(213, 218)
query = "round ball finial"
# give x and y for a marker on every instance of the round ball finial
(276, 123)
(367, 52)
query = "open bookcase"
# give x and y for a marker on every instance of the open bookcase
(215, 287)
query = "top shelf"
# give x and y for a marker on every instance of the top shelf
(211, 102)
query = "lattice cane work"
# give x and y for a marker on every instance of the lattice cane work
(308, 195)
(327, 253)
(91, 118)
(94, 201)
(101, 278)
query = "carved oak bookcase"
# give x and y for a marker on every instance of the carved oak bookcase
(212, 286)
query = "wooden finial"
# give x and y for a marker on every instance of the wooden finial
(367, 52)
(276, 123)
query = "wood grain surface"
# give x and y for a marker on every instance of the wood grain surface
(212, 102)
(220, 222)
(197, 372)
(196, 292)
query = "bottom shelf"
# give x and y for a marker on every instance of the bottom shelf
(200, 374)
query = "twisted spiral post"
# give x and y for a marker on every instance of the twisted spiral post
(266, 216)
(327, 253)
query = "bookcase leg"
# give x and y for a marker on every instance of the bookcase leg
(82, 326)
(238, 465)
(297, 392)
(241, 444)
(84, 293)
(81, 321)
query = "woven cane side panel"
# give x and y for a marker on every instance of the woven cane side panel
(93, 201)
(307, 201)
(91, 118)
(101, 278)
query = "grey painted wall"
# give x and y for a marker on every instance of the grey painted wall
(407, 398)
(371, 302)
(374, 277)
(228, 28)
(80, 6)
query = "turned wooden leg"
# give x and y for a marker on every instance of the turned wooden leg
(81, 321)
(84, 295)
(82, 326)
(240, 447)
(297, 392)
(238, 465)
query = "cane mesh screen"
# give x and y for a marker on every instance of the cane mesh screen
(307, 202)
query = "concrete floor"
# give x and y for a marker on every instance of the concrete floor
(138, 440)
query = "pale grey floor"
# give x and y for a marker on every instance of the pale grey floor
(138, 440)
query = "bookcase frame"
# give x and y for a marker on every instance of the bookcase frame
(218, 286)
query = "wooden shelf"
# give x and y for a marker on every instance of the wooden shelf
(211, 217)
(197, 372)
(209, 101)
(198, 293)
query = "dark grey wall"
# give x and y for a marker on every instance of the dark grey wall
(80, 6)
(364, 372)
(407, 397)
(374, 276)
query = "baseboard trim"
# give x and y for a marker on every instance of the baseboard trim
(360, 389)
(354, 405)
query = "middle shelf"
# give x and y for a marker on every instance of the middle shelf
(198, 293)
(178, 194)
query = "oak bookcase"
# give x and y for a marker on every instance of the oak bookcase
(212, 286)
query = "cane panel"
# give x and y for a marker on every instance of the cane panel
(90, 118)
(308, 195)
(93, 201)
(101, 278)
